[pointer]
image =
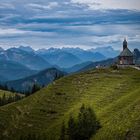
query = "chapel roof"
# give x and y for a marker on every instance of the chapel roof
(126, 52)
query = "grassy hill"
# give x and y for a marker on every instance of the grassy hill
(114, 95)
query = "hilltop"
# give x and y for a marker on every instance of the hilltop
(113, 94)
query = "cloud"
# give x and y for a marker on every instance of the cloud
(49, 6)
(91, 36)
(6, 6)
(18, 34)
(83, 23)
(4, 32)
(110, 4)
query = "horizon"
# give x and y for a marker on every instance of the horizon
(65, 47)
(70, 23)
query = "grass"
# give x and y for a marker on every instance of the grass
(7, 94)
(114, 95)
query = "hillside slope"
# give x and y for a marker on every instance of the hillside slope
(114, 95)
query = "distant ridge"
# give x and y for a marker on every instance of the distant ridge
(26, 48)
(26, 58)
(108, 52)
(41, 78)
(104, 63)
(10, 70)
(58, 57)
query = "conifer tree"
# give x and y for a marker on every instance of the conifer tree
(83, 127)
(63, 132)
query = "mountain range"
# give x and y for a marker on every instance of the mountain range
(42, 78)
(59, 57)
(28, 59)
(22, 62)
(85, 55)
(47, 58)
(108, 52)
(68, 57)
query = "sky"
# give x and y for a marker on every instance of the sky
(69, 23)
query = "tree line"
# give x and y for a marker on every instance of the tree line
(34, 88)
(9, 99)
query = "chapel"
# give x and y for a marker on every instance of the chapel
(126, 56)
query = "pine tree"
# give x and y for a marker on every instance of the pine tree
(63, 132)
(72, 129)
(35, 88)
(84, 126)
(87, 123)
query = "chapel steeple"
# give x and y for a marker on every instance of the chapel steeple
(124, 44)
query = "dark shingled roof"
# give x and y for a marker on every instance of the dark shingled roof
(126, 52)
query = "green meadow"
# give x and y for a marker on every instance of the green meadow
(114, 95)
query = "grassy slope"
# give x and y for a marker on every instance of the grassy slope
(114, 95)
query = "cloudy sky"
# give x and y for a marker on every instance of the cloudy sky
(69, 23)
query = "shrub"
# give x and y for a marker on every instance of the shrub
(114, 67)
